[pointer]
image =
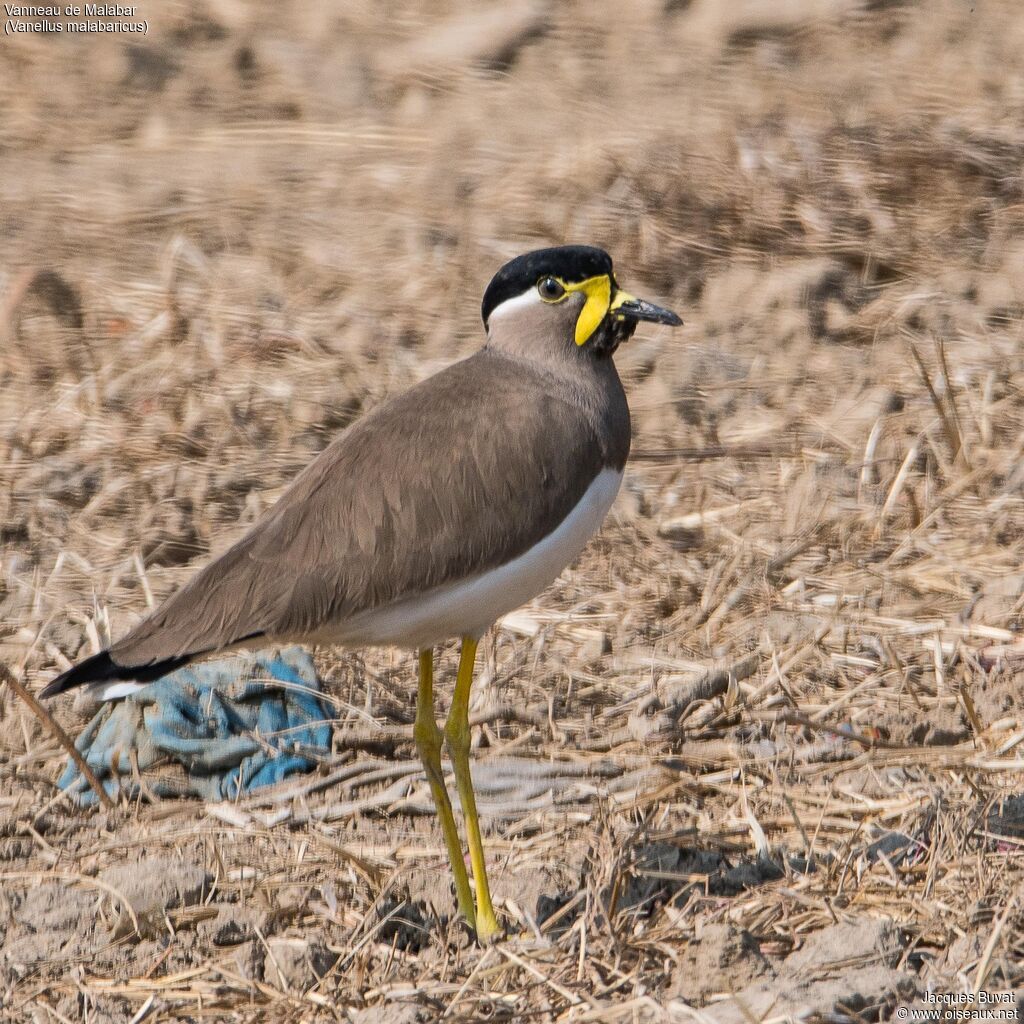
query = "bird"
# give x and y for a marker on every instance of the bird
(429, 518)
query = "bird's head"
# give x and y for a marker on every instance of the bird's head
(566, 296)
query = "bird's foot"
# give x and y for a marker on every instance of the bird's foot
(488, 931)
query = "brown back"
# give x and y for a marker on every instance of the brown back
(458, 475)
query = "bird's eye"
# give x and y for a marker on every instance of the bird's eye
(550, 289)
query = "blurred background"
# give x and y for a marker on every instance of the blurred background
(222, 242)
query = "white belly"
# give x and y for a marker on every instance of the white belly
(467, 608)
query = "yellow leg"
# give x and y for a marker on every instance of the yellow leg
(428, 743)
(456, 732)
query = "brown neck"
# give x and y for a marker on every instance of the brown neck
(541, 334)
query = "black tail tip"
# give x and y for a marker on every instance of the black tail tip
(93, 670)
(101, 668)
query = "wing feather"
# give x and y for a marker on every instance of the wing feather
(456, 476)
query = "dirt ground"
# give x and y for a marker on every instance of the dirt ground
(757, 756)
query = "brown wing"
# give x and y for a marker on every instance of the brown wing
(458, 475)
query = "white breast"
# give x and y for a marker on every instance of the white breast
(468, 607)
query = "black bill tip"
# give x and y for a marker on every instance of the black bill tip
(640, 309)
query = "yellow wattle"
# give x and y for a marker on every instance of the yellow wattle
(598, 291)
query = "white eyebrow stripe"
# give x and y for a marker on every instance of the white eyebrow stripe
(517, 302)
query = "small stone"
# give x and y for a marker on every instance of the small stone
(232, 925)
(249, 960)
(294, 964)
(152, 886)
(878, 940)
(721, 959)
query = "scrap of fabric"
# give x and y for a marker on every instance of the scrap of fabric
(216, 730)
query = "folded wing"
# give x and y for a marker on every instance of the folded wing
(454, 477)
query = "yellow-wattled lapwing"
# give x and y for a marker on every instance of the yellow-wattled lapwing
(431, 517)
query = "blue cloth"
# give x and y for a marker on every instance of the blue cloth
(216, 730)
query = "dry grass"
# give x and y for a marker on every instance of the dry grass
(780, 691)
